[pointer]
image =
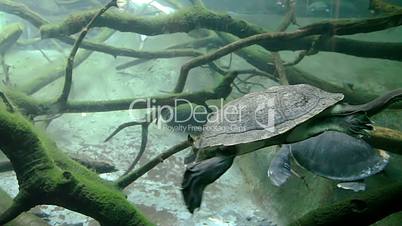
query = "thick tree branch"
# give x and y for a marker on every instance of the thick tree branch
(22, 11)
(43, 170)
(381, 6)
(365, 209)
(257, 57)
(186, 20)
(97, 166)
(20, 204)
(22, 220)
(387, 139)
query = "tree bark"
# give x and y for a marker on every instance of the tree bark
(364, 209)
(47, 176)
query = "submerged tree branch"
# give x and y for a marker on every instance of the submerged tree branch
(365, 209)
(257, 57)
(290, 17)
(48, 176)
(186, 20)
(22, 220)
(22, 11)
(133, 176)
(384, 7)
(387, 139)
(20, 204)
(49, 74)
(70, 61)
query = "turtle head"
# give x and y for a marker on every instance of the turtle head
(371, 108)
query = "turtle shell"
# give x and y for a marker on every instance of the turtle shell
(262, 115)
(338, 156)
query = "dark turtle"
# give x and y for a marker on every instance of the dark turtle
(278, 115)
(333, 155)
(319, 8)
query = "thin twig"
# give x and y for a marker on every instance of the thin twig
(230, 62)
(121, 127)
(70, 62)
(290, 18)
(6, 71)
(44, 55)
(123, 182)
(144, 141)
(313, 50)
(240, 90)
(8, 104)
(234, 46)
(298, 59)
(243, 81)
(144, 136)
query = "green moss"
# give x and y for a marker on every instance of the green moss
(50, 177)
(26, 104)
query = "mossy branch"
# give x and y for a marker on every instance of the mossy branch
(22, 220)
(50, 177)
(364, 209)
(97, 166)
(380, 6)
(24, 12)
(20, 204)
(188, 19)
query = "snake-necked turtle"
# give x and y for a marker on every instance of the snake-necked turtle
(333, 155)
(278, 115)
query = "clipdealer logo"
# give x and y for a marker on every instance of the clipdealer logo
(217, 115)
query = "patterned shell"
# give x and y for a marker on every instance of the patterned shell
(262, 115)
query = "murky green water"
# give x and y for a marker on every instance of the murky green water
(130, 63)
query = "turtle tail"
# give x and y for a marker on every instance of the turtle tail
(375, 106)
(199, 175)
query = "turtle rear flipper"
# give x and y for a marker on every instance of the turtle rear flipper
(199, 175)
(279, 170)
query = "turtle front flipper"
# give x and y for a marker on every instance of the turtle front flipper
(199, 175)
(371, 108)
(356, 125)
(279, 170)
